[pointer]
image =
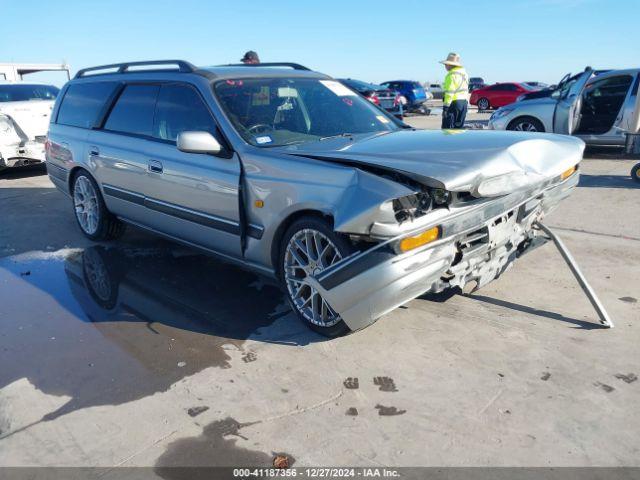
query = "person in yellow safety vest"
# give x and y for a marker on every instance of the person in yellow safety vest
(456, 93)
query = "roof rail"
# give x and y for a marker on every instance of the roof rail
(295, 66)
(183, 67)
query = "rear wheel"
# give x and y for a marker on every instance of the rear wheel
(483, 104)
(310, 246)
(635, 172)
(526, 124)
(93, 218)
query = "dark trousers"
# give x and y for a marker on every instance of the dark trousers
(453, 116)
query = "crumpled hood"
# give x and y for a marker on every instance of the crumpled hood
(457, 160)
(31, 116)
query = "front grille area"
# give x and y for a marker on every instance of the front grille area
(474, 240)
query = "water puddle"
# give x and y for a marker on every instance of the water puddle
(108, 326)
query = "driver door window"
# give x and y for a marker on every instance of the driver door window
(179, 109)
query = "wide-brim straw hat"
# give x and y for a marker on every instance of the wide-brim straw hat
(453, 59)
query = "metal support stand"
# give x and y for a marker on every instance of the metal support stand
(582, 281)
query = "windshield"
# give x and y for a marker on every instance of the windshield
(562, 90)
(270, 112)
(21, 93)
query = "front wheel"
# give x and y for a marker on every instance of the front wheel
(526, 124)
(95, 221)
(635, 172)
(483, 104)
(310, 246)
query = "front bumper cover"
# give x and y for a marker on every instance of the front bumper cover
(477, 245)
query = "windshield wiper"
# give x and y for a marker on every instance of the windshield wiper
(350, 135)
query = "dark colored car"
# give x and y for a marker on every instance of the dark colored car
(376, 94)
(545, 92)
(536, 85)
(476, 83)
(497, 95)
(412, 91)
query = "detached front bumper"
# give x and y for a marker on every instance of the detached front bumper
(19, 154)
(477, 245)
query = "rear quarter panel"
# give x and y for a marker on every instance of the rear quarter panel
(66, 150)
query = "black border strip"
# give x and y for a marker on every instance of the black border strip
(255, 231)
(192, 216)
(177, 211)
(355, 268)
(123, 194)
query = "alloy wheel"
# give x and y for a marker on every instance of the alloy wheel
(85, 201)
(309, 252)
(97, 274)
(525, 127)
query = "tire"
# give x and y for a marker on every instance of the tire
(526, 124)
(635, 172)
(295, 265)
(102, 274)
(92, 216)
(484, 104)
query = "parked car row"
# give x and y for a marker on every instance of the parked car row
(384, 97)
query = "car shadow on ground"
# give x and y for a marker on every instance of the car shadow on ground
(132, 320)
(608, 181)
(23, 172)
(580, 324)
(447, 294)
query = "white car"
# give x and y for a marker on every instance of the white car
(25, 110)
(599, 107)
(435, 89)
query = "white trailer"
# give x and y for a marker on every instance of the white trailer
(14, 72)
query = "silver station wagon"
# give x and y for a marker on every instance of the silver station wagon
(289, 173)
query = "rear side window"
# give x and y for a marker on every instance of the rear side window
(83, 102)
(133, 111)
(181, 109)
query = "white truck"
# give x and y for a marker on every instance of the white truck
(25, 109)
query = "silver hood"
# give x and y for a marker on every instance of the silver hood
(456, 160)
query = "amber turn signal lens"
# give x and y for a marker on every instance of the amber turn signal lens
(567, 173)
(419, 240)
(259, 203)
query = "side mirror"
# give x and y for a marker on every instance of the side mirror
(198, 142)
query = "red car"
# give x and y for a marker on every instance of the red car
(497, 95)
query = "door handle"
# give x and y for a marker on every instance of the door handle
(94, 151)
(155, 166)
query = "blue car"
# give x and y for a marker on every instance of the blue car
(412, 91)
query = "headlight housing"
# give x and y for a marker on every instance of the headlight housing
(501, 112)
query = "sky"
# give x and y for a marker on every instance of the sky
(499, 40)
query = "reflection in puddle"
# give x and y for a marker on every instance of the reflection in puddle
(108, 326)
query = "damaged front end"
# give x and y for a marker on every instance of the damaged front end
(432, 240)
